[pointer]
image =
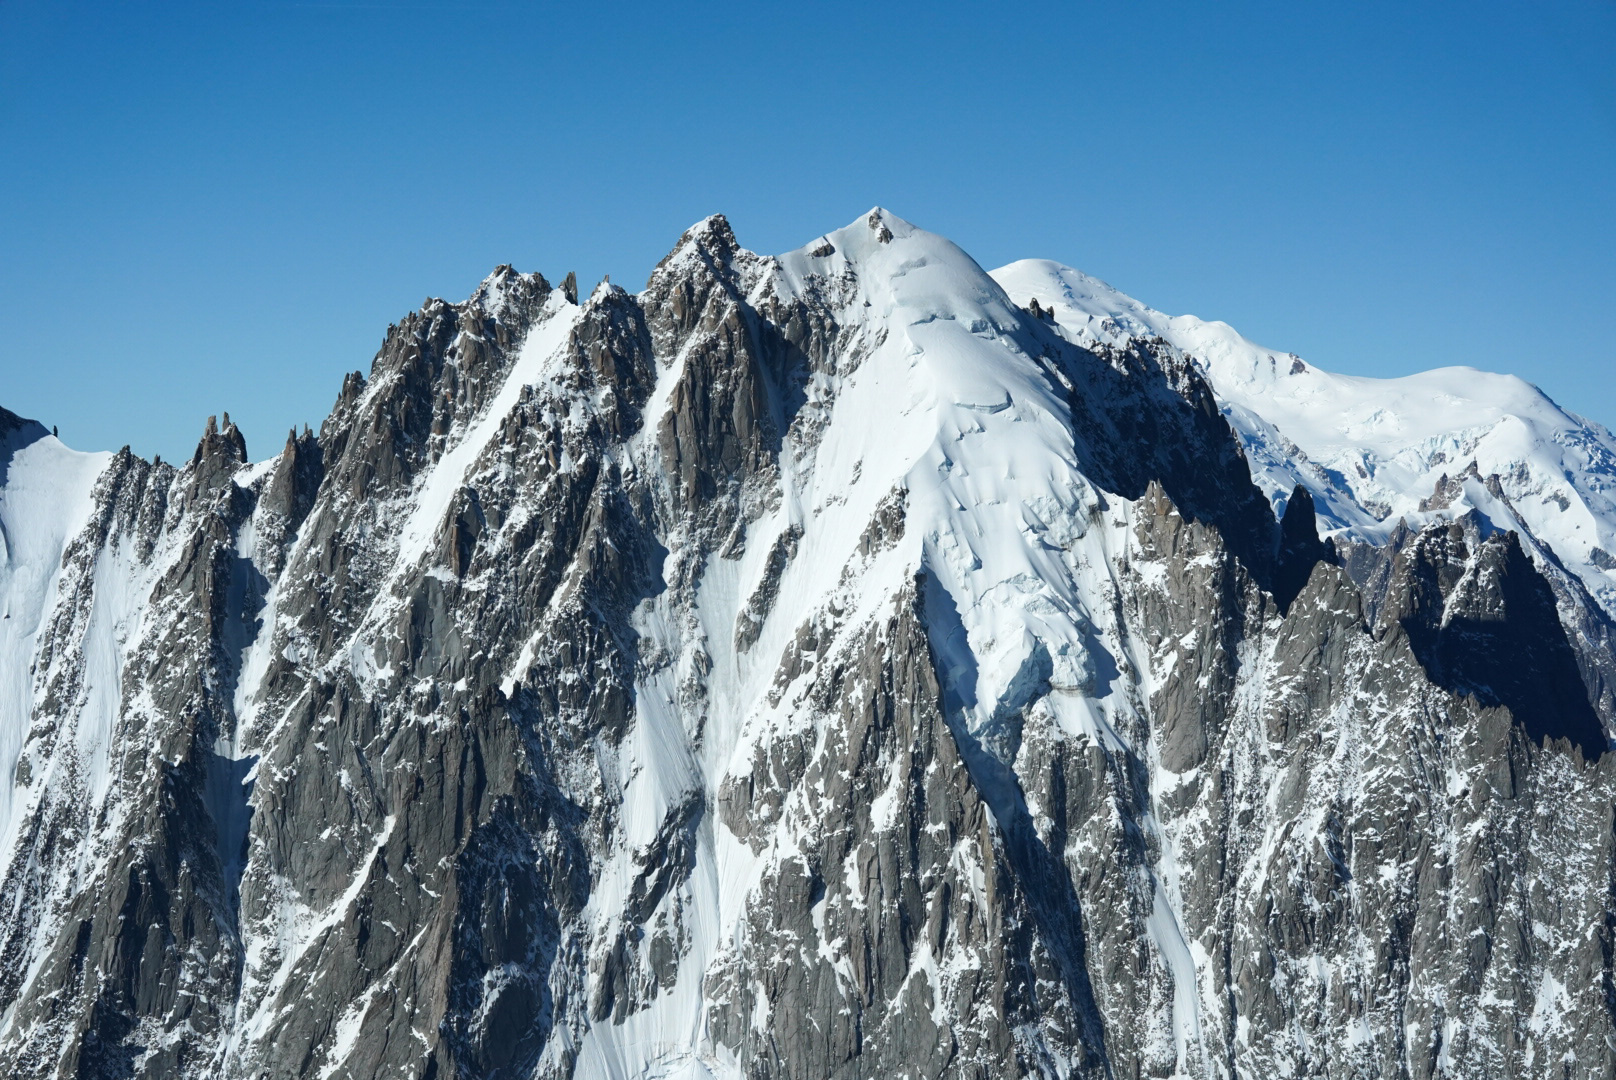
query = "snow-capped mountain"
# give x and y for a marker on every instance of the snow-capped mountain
(1374, 452)
(825, 665)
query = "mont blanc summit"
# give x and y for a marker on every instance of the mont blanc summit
(840, 664)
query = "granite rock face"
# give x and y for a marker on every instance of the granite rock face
(810, 666)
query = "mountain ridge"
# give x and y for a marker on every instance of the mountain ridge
(1530, 460)
(812, 665)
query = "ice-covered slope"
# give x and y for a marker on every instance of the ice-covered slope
(1374, 452)
(45, 501)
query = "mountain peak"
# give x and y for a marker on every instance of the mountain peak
(711, 239)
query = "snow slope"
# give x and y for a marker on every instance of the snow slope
(45, 499)
(1377, 451)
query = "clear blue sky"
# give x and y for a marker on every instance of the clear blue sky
(221, 207)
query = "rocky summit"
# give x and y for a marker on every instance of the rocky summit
(844, 664)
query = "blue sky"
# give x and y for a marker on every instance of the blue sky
(221, 207)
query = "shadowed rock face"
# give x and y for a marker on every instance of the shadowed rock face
(602, 693)
(1485, 622)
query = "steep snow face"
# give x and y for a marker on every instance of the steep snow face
(953, 407)
(1374, 452)
(45, 499)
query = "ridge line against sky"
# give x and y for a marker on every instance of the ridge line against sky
(214, 209)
